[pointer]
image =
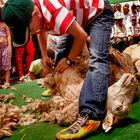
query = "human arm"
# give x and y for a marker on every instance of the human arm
(80, 38)
(9, 40)
(32, 76)
(42, 39)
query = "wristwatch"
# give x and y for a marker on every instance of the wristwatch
(68, 61)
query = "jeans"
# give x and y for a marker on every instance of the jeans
(93, 93)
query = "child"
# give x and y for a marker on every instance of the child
(37, 69)
(5, 52)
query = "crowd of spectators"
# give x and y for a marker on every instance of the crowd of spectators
(126, 28)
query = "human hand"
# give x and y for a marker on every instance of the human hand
(46, 61)
(62, 66)
(88, 39)
(45, 71)
(125, 39)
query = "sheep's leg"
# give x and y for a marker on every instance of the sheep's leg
(108, 122)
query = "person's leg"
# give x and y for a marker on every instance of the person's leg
(30, 52)
(93, 94)
(18, 61)
(6, 66)
(37, 48)
(0, 65)
(7, 76)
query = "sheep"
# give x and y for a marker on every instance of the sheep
(68, 85)
(119, 99)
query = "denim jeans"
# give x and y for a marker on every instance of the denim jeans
(93, 93)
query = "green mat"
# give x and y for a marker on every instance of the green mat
(120, 1)
(129, 130)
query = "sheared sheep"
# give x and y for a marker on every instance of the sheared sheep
(68, 85)
(119, 98)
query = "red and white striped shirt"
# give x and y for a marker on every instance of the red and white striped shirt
(59, 14)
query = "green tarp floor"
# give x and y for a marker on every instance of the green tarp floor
(121, 1)
(129, 130)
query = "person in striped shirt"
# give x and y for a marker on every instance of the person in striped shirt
(74, 21)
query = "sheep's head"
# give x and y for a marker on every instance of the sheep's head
(120, 96)
(120, 109)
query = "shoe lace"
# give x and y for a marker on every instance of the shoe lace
(80, 122)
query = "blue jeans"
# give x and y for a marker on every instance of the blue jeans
(93, 93)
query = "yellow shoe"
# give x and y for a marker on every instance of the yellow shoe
(47, 93)
(79, 129)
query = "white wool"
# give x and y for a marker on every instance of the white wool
(9, 116)
(136, 52)
(137, 66)
(130, 49)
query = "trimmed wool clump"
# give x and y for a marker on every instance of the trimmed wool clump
(9, 117)
(63, 106)
(47, 82)
(7, 97)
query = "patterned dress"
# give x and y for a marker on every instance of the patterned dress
(5, 58)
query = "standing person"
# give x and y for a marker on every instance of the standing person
(77, 20)
(5, 52)
(29, 52)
